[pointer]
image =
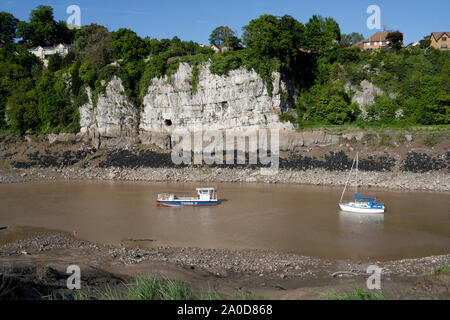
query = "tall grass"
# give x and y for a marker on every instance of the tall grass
(440, 270)
(356, 294)
(153, 288)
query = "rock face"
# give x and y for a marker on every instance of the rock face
(292, 140)
(366, 93)
(113, 116)
(237, 100)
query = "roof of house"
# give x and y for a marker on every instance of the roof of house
(379, 36)
(52, 47)
(438, 35)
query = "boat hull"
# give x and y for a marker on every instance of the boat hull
(358, 209)
(178, 203)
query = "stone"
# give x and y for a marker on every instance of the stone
(113, 116)
(239, 99)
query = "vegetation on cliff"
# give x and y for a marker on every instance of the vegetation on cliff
(315, 56)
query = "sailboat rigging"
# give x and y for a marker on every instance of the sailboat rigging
(360, 204)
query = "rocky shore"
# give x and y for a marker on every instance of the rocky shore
(33, 264)
(429, 181)
(415, 169)
(220, 262)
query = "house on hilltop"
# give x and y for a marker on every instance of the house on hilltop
(377, 41)
(220, 48)
(44, 53)
(440, 40)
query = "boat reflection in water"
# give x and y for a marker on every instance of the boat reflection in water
(361, 223)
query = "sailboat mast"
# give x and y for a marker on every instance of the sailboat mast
(357, 166)
(348, 180)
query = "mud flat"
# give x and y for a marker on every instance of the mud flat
(35, 266)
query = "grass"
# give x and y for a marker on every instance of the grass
(356, 294)
(440, 270)
(153, 288)
(385, 141)
(432, 139)
(401, 138)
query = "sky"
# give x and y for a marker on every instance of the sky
(195, 19)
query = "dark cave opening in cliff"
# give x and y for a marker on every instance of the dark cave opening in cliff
(168, 122)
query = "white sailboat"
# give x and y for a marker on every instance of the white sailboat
(360, 204)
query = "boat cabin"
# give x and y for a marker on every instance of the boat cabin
(205, 197)
(207, 194)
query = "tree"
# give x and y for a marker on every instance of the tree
(130, 47)
(8, 26)
(41, 29)
(274, 37)
(93, 42)
(348, 40)
(322, 34)
(395, 39)
(22, 111)
(224, 36)
(425, 42)
(55, 62)
(63, 34)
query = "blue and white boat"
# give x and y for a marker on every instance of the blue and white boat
(206, 197)
(359, 204)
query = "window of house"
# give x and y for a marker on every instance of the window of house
(444, 38)
(372, 43)
(444, 47)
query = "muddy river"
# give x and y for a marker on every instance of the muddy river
(289, 218)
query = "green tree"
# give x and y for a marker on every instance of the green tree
(224, 35)
(425, 42)
(395, 39)
(41, 29)
(348, 40)
(273, 37)
(322, 34)
(129, 46)
(93, 42)
(49, 103)
(63, 34)
(87, 73)
(22, 111)
(55, 62)
(384, 109)
(8, 26)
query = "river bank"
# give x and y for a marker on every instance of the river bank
(429, 181)
(388, 160)
(38, 258)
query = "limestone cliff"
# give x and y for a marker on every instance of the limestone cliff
(237, 100)
(113, 115)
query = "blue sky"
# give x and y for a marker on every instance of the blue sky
(195, 19)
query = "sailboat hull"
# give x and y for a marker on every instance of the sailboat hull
(360, 208)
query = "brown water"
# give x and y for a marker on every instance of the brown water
(288, 218)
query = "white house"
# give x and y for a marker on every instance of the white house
(44, 53)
